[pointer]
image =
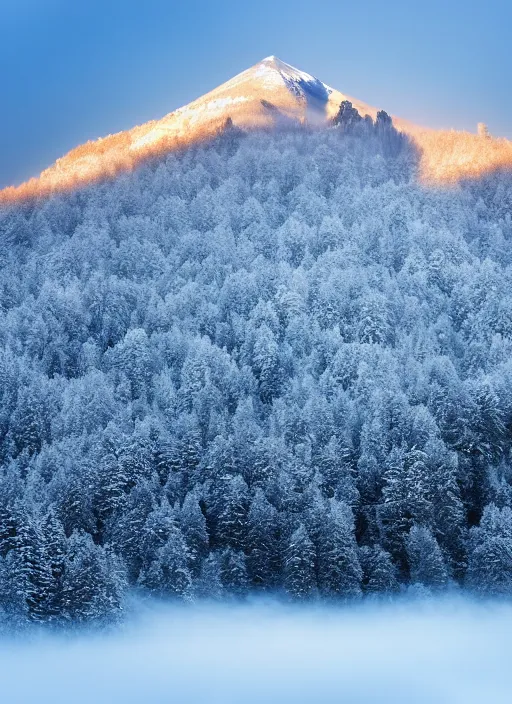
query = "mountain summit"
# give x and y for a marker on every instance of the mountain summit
(269, 94)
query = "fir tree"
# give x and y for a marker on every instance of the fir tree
(193, 527)
(209, 583)
(94, 581)
(231, 512)
(490, 552)
(339, 571)
(426, 563)
(379, 573)
(168, 573)
(233, 571)
(262, 541)
(299, 565)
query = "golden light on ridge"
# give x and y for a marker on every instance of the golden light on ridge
(259, 97)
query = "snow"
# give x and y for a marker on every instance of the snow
(189, 115)
(300, 83)
(291, 71)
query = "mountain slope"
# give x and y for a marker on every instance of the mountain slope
(268, 363)
(268, 94)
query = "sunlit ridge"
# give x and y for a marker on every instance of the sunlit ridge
(269, 93)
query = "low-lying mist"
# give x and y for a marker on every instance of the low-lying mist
(448, 651)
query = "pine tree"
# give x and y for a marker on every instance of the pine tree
(168, 573)
(262, 541)
(231, 508)
(266, 363)
(234, 571)
(209, 583)
(347, 116)
(448, 521)
(193, 527)
(7, 523)
(383, 119)
(29, 569)
(407, 497)
(379, 572)
(490, 553)
(157, 528)
(113, 486)
(76, 495)
(28, 426)
(126, 534)
(132, 356)
(488, 422)
(335, 463)
(374, 326)
(339, 571)
(299, 565)
(179, 459)
(426, 563)
(54, 546)
(135, 458)
(94, 581)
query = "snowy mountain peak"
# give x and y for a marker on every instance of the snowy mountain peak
(286, 69)
(270, 93)
(278, 65)
(301, 84)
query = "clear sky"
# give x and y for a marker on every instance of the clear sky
(73, 70)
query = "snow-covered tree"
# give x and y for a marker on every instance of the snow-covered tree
(299, 565)
(94, 581)
(426, 563)
(490, 552)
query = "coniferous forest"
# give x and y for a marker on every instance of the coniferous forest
(273, 363)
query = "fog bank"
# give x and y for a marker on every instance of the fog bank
(452, 651)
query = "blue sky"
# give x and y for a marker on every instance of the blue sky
(73, 71)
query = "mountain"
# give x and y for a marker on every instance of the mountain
(269, 94)
(272, 363)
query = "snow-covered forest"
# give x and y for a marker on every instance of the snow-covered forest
(276, 362)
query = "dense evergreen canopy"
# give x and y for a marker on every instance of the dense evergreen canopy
(273, 362)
